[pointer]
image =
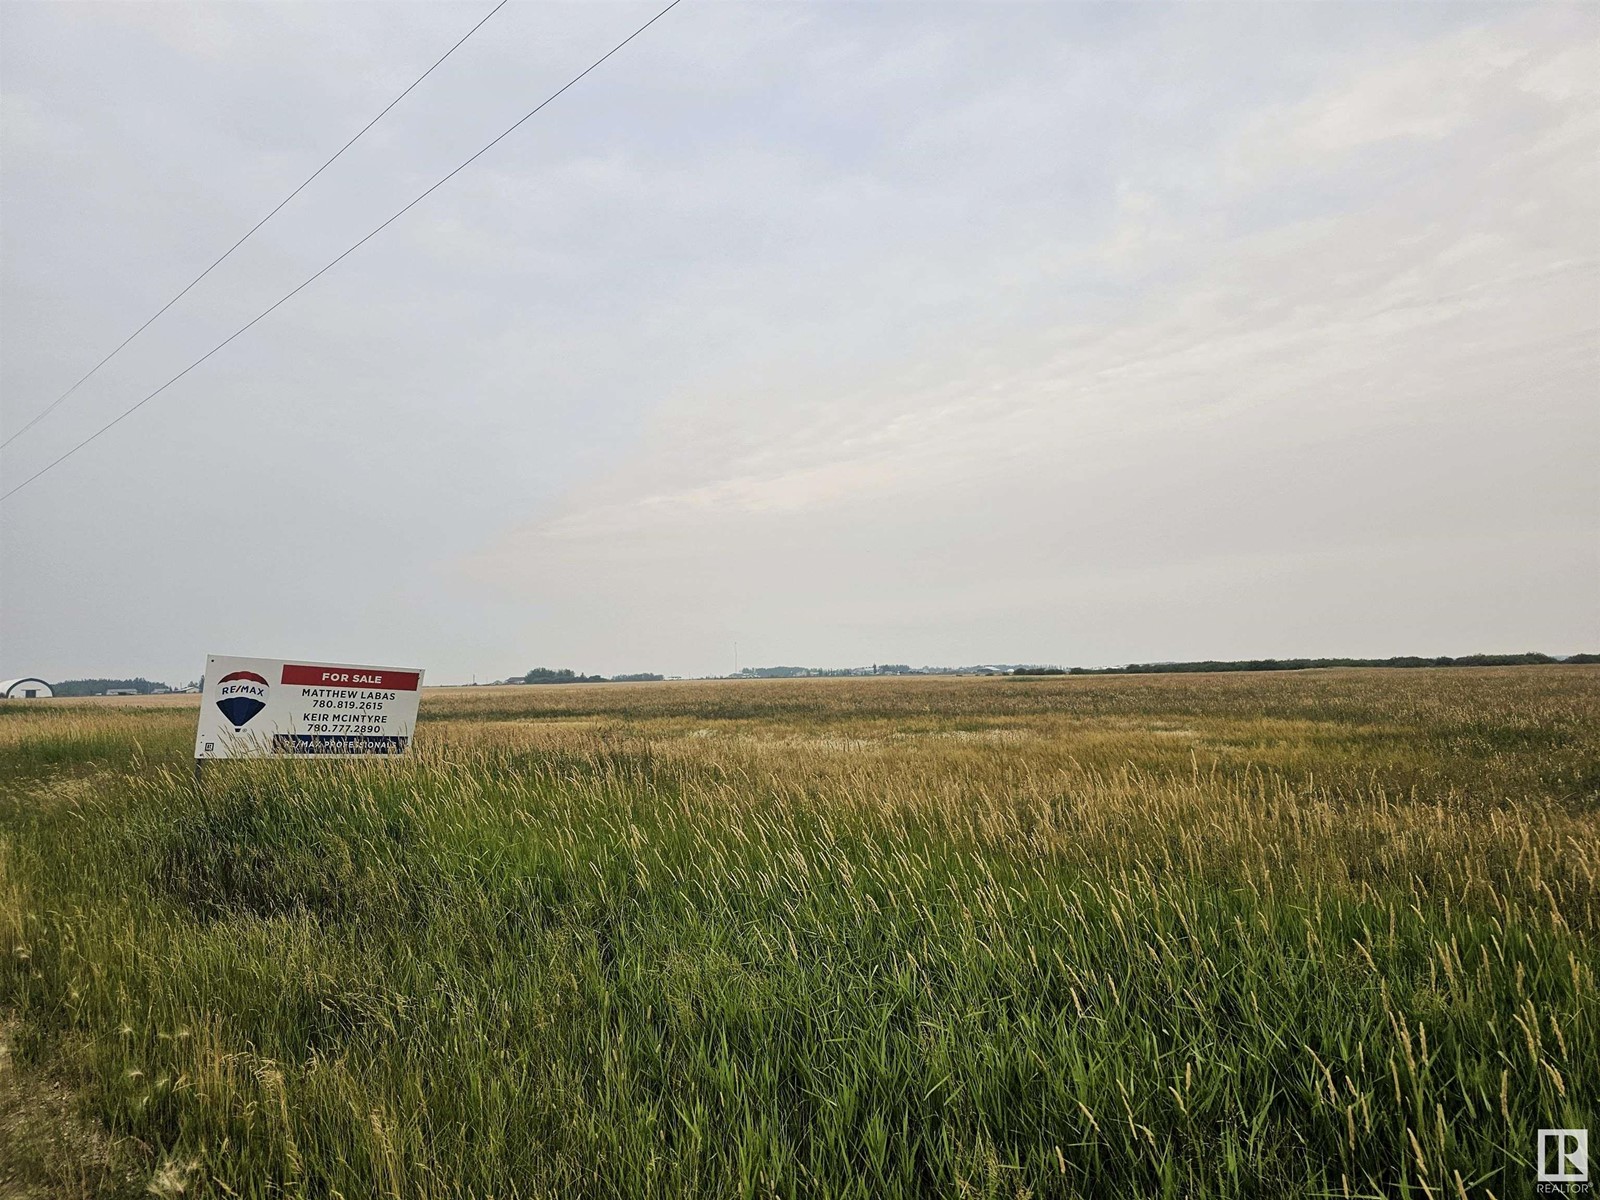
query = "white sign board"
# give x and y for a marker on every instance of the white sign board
(266, 707)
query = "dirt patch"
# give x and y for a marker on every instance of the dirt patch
(47, 1150)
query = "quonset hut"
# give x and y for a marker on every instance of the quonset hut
(24, 689)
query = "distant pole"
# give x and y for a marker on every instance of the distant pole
(736, 658)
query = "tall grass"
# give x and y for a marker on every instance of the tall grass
(1325, 935)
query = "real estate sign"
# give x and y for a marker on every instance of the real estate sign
(266, 707)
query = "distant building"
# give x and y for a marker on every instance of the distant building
(24, 689)
(120, 692)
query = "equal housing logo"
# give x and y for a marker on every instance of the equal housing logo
(1563, 1162)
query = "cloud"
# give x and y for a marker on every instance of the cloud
(1401, 310)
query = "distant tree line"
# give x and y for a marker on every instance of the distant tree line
(1160, 668)
(567, 675)
(564, 676)
(1305, 664)
(93, 687)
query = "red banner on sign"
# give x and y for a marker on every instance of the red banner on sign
(351, 677)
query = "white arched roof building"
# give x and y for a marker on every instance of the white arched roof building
(24, 689)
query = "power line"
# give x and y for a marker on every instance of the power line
(90, 373)
(335, 262)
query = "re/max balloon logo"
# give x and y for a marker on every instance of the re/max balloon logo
(241, 696)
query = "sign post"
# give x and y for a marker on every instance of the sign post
(272, 708)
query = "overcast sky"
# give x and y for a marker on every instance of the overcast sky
(903, 332)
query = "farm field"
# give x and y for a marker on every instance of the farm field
(1299, 934)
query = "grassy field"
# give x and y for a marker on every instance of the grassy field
(1313, 934)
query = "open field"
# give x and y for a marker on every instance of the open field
(1315, 934)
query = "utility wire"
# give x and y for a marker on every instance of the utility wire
(51, 407)
(335, 262)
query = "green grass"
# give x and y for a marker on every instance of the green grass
(1178, 936)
